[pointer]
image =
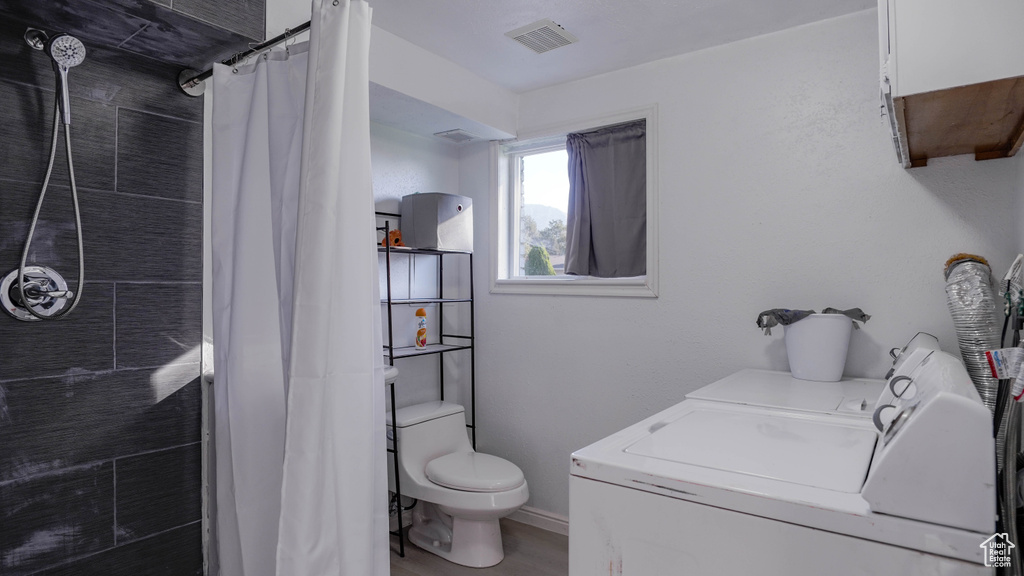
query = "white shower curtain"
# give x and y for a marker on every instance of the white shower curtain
(301, 478)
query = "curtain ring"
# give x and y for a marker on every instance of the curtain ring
(336, 2)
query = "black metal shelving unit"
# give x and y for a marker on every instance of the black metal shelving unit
(448, 342)
(398, 486)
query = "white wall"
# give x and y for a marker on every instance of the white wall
(405, 163)
(413, 71)
(779, 188)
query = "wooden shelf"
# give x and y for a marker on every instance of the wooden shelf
(985, 119)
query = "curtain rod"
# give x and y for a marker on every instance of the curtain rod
(193, 82)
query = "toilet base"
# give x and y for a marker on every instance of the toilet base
(473, 543)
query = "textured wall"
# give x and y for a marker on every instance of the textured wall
(778, 188)
(100, 465)
(405, 163)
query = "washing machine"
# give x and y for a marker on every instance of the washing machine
(761, 473)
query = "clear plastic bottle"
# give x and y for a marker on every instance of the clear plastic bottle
(421, 329)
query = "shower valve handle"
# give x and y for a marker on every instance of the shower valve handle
(35, 289)
(36, 292)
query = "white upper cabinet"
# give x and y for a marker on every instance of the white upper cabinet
(952, 77)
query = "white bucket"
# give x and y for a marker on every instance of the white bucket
(817, 346)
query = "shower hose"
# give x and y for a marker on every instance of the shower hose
(35, 221)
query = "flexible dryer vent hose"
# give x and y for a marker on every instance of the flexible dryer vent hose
(973, 307)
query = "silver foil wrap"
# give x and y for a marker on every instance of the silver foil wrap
(972, 304)
(973, 307)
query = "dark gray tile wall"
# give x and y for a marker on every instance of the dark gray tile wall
(100, 414)
(159, 156)
(81, 344)
(140, 239)
(168, 554)
(92, 80)
(157, 492)
(186, 33)
(26, 125)
(156, 322)
(60, 515)
(242, 16)
(56, 423)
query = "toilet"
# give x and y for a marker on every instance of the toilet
(461, 493)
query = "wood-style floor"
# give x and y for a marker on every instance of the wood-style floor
(529, 551)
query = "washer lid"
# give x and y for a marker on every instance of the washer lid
(474, 472)
(853, 396)
(786, 446)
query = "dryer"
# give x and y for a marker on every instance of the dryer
(762, 473)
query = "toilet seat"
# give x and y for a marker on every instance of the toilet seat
(474, 472)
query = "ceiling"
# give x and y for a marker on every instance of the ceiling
(612, 34)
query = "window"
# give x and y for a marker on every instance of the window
(543, 183)
(532, 216)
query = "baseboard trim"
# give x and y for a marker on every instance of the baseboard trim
(541, 519)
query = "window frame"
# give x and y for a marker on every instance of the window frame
(505, 213)
(514, 160)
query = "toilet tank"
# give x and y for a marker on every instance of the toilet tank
(427, 431)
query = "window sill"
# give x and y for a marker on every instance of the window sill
(640, 287)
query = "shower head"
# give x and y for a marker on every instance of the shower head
(66, 50)
(35, 38)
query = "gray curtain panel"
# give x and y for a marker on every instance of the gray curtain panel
(606, 232)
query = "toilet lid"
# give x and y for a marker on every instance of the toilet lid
(474, 472)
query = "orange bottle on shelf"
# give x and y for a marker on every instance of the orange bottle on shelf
(421, 329)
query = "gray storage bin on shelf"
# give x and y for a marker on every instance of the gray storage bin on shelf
(437, 221)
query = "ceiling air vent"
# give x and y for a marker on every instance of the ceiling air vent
(458, 135)
(542, 36)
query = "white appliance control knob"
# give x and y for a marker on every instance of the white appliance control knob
(898, 423)
(877, 417)
(903, 387)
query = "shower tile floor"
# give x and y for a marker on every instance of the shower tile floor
(529, 551)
